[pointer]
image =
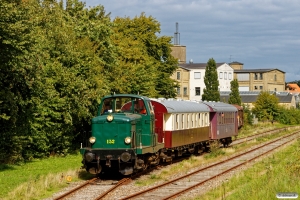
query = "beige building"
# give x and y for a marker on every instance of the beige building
(258, 79)
(182, 75)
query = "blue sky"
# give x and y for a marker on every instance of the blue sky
(259, 33)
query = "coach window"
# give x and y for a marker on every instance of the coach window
(182, 121)
(192, 120)
(188, 121)
(206, 120)
(177, 121)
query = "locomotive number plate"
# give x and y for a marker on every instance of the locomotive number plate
(110, 141)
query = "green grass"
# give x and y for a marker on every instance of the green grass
(39, 178)
(277, 173)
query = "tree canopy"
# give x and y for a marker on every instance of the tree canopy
(211, 90)
(56, 64)
(234, 96)
(266, 106)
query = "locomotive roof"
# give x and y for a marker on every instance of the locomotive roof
(127, 95)
(181, 106)
(220, 106)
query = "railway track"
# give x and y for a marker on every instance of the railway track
(104, 189)
(89, 186)
(195, 179)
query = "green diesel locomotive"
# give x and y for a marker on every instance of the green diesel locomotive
(123, 136)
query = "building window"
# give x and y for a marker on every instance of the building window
(275, 77)
(185, 91)
(255, 87)
(178, 91)
(178, 75)
(260, 76)
(220, 75)
(225, 75)
(229, 76)
(197, 75)
(197, 91)
(260, 87)
(275, 89)
(255, 76)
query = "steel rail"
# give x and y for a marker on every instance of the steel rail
(76, 189)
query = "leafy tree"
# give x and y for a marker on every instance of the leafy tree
(145, 61)
(15, 78)
(71, 79)
(211, 90)
(266, 106)
(248, 116)
(234, 96)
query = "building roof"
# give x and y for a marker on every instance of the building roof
(190, 66)
(256, 70)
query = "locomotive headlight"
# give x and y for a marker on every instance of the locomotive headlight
(92, 140)
(109, 118)
(128, 140)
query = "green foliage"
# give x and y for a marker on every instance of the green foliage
(54, 75)
(288, 116)
(211, 90)
(248, 116)
(234, 96)
(57, 62)
(15, 78)
(266, 106)
(145, 62)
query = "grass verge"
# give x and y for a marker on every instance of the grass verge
(277, 173)
(39, 178)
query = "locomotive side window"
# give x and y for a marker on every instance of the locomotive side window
(151, 107)
(107, 106)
